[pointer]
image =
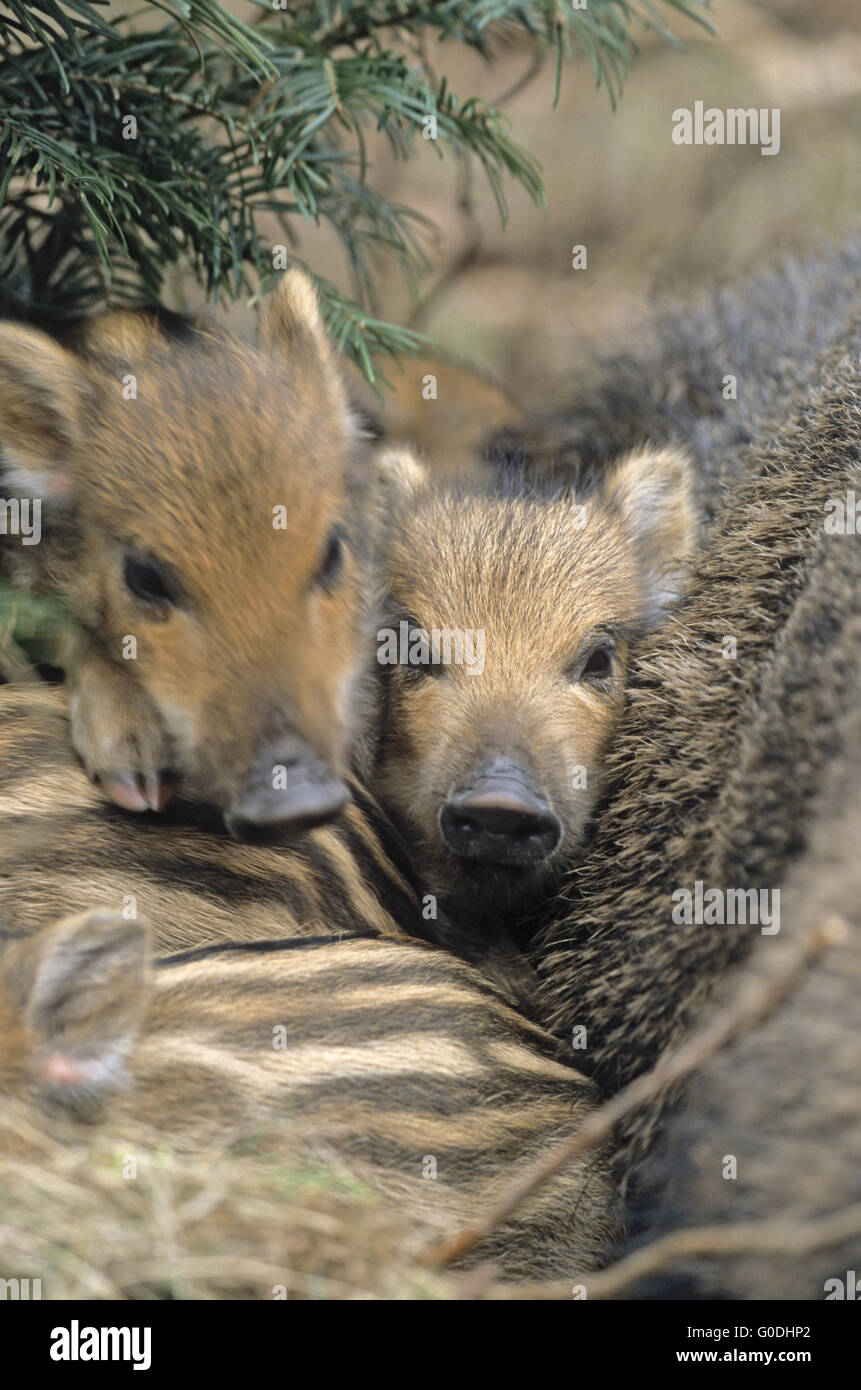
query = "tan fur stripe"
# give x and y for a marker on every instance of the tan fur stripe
(354, 887)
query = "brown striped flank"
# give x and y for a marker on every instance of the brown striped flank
(64, 849)
(391, 1057)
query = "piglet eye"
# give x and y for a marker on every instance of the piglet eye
(598, 665)
(420, 670)
(145, 578)
(332, 562)
(417, 655)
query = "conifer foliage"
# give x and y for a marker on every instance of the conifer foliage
(180, 134)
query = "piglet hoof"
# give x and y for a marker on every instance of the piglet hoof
(135, 791)
(118, 737)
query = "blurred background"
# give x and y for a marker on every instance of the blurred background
(653, 216)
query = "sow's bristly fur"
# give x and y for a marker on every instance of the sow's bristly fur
(769, 330)
(611, 957)
(785, 1101)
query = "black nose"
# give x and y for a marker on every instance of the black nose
(288, 789)
(500, 819)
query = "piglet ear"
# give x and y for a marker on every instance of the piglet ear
(399, 474)
(87, 999)
(127, 334)
(42, 400)
(652, 491)
(292, 328)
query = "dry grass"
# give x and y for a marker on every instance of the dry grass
(242, 1225)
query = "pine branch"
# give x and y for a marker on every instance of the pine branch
(126, 150)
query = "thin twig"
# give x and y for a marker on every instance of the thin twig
(759, 1000)
(523, 81)
(147, 89)
(465, 259)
